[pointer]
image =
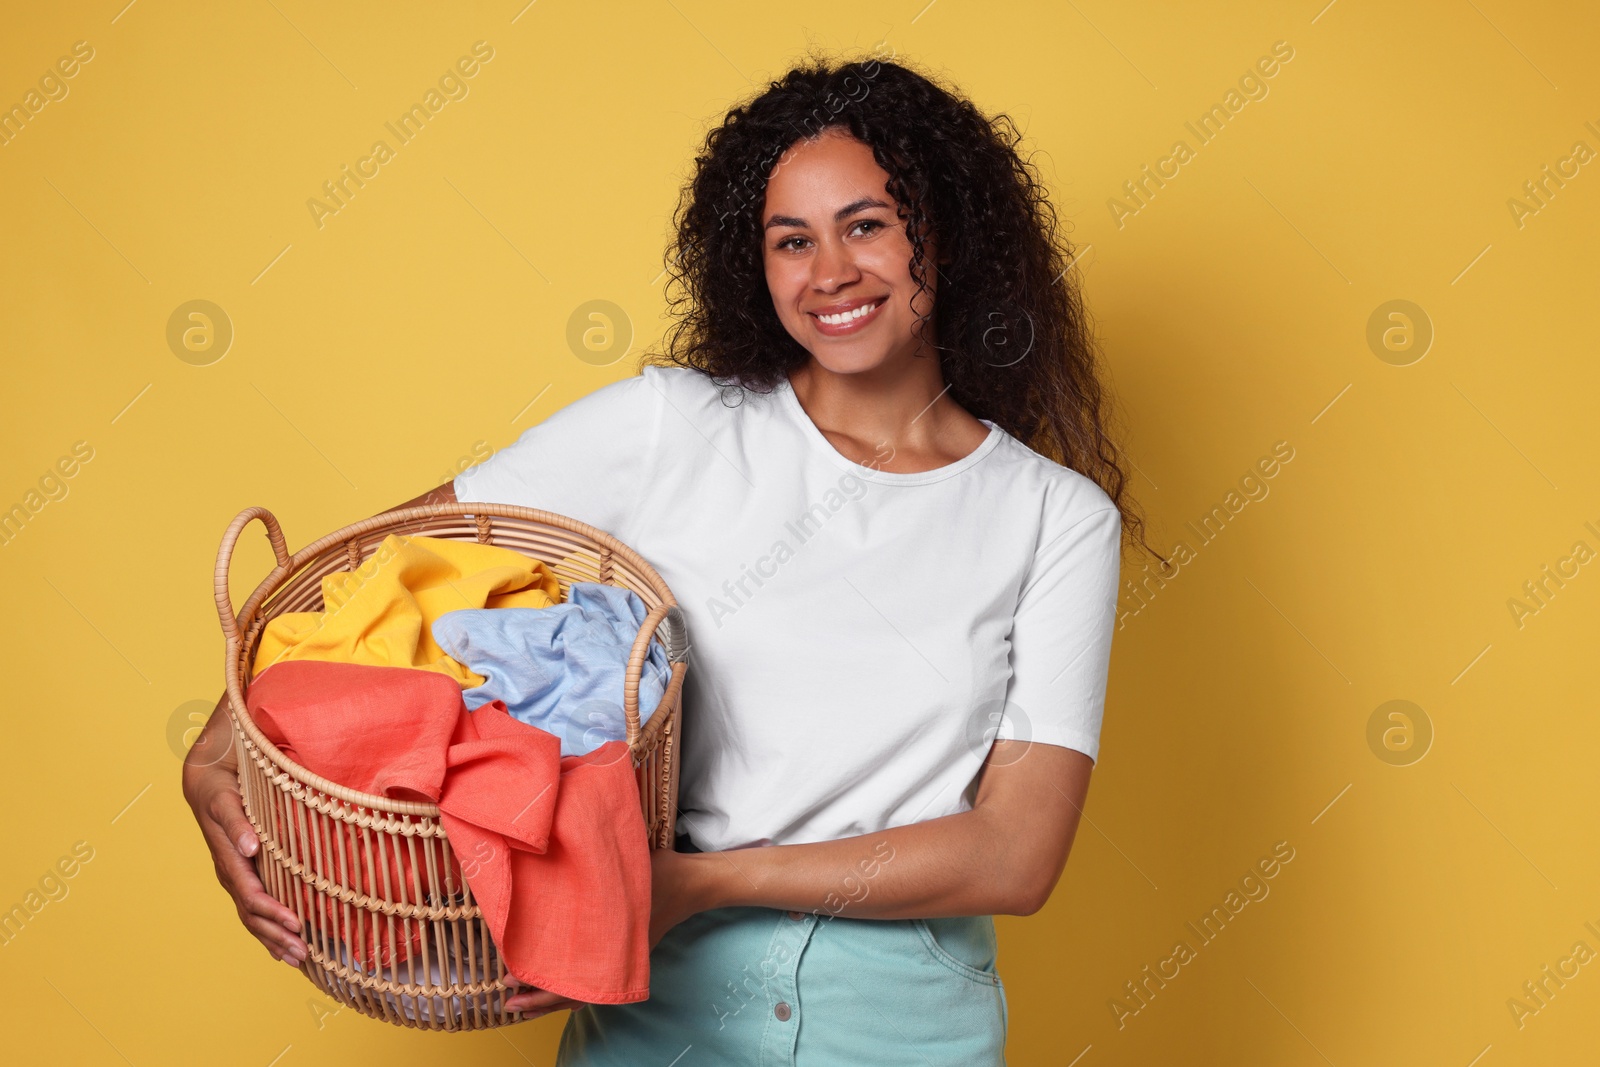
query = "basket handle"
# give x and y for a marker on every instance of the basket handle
(280, 549)
(677, 635)
(667, 621)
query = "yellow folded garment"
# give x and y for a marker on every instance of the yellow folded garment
(382, 613)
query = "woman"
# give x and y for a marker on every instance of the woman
(871, 465)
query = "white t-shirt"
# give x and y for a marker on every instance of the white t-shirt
(857, 638)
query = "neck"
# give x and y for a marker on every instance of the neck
(900, 409)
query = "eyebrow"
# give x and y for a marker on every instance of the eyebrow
(838, 216)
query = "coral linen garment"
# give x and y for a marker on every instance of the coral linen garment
(554, 849)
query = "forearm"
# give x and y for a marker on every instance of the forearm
(959, 864)
(212, 753)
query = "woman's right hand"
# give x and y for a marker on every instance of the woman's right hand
(531, 1002)
(211, 786)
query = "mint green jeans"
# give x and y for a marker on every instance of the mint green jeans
(756, 987)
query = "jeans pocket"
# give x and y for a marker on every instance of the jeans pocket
(965, 944)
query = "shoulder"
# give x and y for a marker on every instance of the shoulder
(679, 386)
(699, 398)
(639, 395)
(1077, 531)
(1065, 497)
(671, 378)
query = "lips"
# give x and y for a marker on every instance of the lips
(848, 316)
(847, 306)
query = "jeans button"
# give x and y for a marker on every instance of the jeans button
(797, 915)
(782, 1011)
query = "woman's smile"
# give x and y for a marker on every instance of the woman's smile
(847, 317)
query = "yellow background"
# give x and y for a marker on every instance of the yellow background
(372, 355)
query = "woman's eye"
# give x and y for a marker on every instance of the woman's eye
(794, 241)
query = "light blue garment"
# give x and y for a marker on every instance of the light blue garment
(748, 986)
(741, 986)
(560, 668)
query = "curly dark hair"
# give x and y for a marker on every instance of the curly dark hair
(1014, 340)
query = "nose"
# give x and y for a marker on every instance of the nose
(833, 266)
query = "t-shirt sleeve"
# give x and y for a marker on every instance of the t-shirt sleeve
(588, 460)
(1061, 637)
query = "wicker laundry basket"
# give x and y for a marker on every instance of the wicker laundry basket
(317, 836)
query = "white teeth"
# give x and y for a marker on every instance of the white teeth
(848, 316)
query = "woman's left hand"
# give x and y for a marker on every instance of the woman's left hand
(676, 891)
